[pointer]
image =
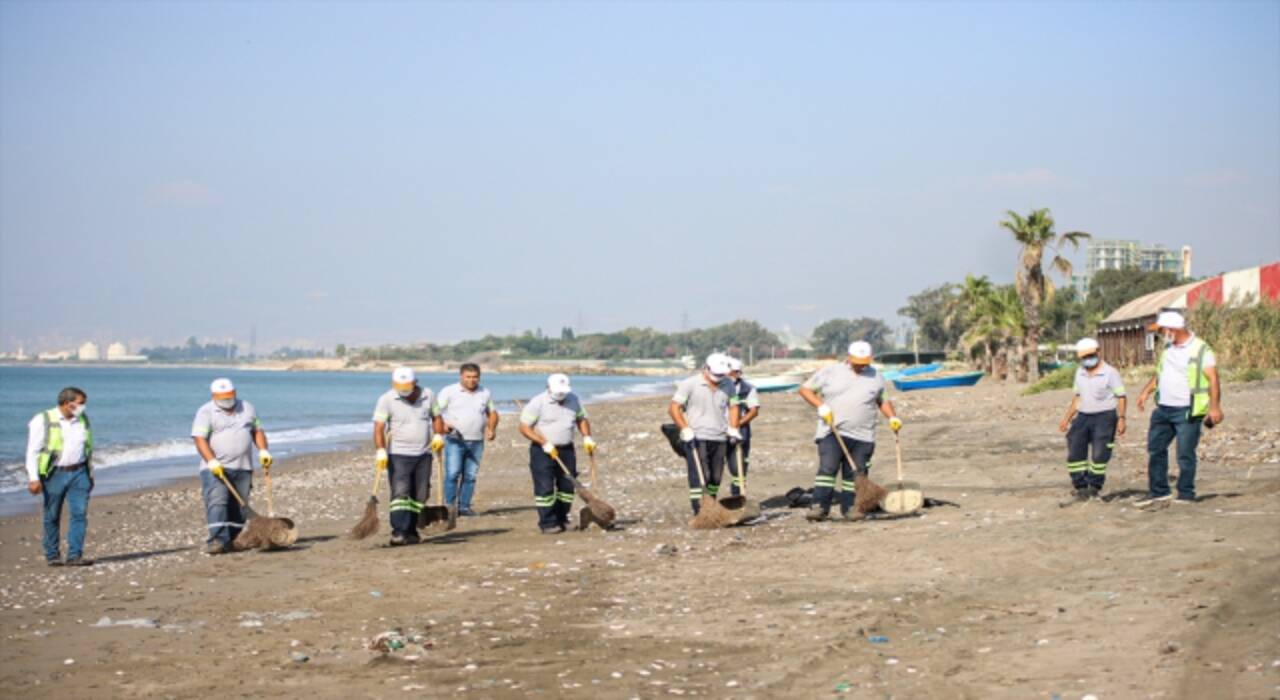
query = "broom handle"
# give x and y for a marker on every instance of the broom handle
(848, 458)
(271, 509)
(897, 450)
(232, 489)
(697, 461)
(742, 473)
(595, 476)
(568, 473)
(377, 481)
(440, 492)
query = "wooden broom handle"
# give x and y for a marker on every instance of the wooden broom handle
(440, 491)
(742, 474)
(232, 489)
(595, 476)
(271, 509)
(897, 450)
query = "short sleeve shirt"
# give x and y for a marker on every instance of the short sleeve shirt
(854, 399)
(1099, 392)
(554, 419)
(1174, 389)
(408, 423)
(706, 408)
(230, 433)
(465, 411)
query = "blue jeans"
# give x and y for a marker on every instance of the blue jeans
(462, 463)
(72, 487)
(1168, 423)
(221, 510)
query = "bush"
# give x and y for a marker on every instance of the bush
(1063, 377)
(1253, 374)
(1243, 337)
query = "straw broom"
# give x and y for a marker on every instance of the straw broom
(368, 524)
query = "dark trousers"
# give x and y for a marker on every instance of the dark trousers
(70, 486)
(830, 460)
(1167, 424)
(1090, 432)
(712, 453)
(410, 478)
(738, 472)
(552, 489)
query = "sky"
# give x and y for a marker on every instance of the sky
(400, 172)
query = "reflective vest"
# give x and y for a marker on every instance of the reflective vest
(1196, 378)
(52, 447)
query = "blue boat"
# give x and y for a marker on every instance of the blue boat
(968, 379)
(912, 371)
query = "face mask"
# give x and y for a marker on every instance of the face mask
(75, 412)
(559, 396)
(404, 393)
(225, 404)
(1168, 338)
(1090, 362)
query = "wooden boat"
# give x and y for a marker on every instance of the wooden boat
(777, 383)
(967, 379)
(913, 370)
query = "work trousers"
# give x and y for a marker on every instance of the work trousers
(1167, 424)
(461, 465)
(831, 459)
(71, 486)
(222, 511)
(1090, 432)
(552, 489)
(712, 453)
(410, 478)
(738, 473)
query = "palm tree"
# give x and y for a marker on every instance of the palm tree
(1036, 235)
(975, 300)
(998, 326)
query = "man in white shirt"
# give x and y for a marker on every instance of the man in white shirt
(225, 431)
(59, 457)
(465, 415)
(1188, 394)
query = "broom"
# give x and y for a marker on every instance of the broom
(368, 524)
(587, 516)
(868, 495)
(711, 515)
(602, 512)
(259, 531)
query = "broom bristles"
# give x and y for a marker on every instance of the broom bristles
(710, 515)
(870, 495)
(368, 524)
(266, 533)
(603, 512)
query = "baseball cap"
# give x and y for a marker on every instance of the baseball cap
(558, 383)
(735, 365)
(1086, 346)
(222, 386)
(860, 350)
(403, 377)
(718, 363)
(1168, 319)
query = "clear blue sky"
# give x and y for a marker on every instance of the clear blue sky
(427, 171)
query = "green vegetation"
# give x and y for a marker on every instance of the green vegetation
(1243, 337)
(192, 351)
(1060, 378)
(834, 336)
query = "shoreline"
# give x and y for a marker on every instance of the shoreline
(579, 367)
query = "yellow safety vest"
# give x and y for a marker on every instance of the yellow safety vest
(1196, 378)
(52, 447)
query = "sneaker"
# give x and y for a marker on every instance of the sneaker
(398, 540)
(215, 547)
(412, 538)
(1083, 495)
(553, 530)
(1179, 500)
(79, 561)
(1152, 500)
(467, 513)
(53, 562)
(817, 513)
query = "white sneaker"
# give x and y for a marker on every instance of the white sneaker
(1152, 500)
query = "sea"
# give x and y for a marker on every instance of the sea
(142, 416)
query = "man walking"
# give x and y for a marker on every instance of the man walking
(404, 413)
(225, 431)
(465, 415)
(548, 421)
(59, 466)
(1094, 418)
(1188, 394)
(848, 396)
(748, 401)
(703, 409)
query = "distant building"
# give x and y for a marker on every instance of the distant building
(58, 356)
(1105, 254)
(118, 352)
(89, 352)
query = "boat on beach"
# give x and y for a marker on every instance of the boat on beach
(911, 371)
(966, 379)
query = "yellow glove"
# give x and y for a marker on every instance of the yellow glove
(551, 450)
(215, 468)
(824, 412)
(265, 459)
(380, 459)
(437, 443)
(589, 445)
(895, 424)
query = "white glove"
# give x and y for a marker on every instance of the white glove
(437, 443)
(686, 434)
(265, 459)
(735, 434)
(380, 458)
(589, 444)
(550, 449)
(824, 412)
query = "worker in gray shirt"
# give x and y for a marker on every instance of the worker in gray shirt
(465, 415)
(225, 431)
(404, 415)
(548, 421)
(1094, 418)
(849, 397)
(704, 410)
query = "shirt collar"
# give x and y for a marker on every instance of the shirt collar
(1190, 337)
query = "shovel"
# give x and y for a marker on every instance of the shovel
(439, 516)
(602, 512)
(710, 514)
(262, 532)
(740, 508)
(903, 497)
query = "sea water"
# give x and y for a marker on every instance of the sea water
(142, 416)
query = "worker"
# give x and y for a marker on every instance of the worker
(548, 420)
(704, 411)
(225, 431)
(1188, 394)
(59, 467)
(1095, 416)
(748, 401)
(465, 415)
(848, 396)
(404, 413)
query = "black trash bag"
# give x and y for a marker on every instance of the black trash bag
(672, 432)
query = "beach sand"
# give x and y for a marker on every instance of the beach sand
(1007, 595)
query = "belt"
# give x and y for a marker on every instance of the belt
(73, 467)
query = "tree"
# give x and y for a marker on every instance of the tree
(835, 335)
(340, 350)
(1035, 235)
(934, 311)
(997, 325)
(1111, 289)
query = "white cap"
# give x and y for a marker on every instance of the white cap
(1086, 346)
(1170, 319)
(718, 363)
(860, 350)
(558, 383)
(221, 385)
(403, 376)
(735, 365)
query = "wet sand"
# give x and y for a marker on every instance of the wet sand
(1006, 595)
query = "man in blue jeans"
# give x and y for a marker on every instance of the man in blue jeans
(59, 466)
(465, 415)
(1188, 394)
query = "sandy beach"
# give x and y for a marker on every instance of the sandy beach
(1005, 595)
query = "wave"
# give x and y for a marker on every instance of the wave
(632, 390)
